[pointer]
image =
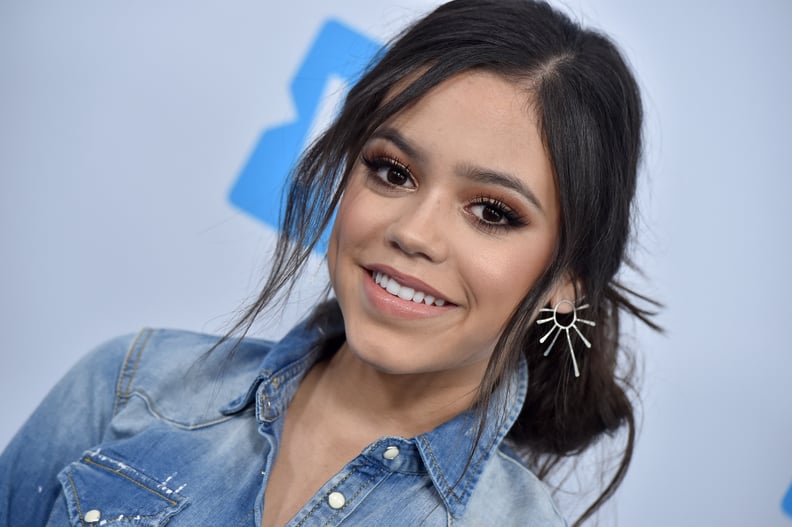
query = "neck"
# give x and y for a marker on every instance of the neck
(395, 404)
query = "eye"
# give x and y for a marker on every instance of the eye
(492, 213)
(389, 172)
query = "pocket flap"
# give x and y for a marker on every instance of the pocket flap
(102, 491)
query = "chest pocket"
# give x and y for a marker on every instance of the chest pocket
(101, 491)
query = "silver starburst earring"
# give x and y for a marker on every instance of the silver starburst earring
(558, 328)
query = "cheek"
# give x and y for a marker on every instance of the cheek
(347, 228)
(503, 276)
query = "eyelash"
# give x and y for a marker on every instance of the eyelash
(512, 217)
(374, 164)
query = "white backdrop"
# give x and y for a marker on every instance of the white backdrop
(125, 126)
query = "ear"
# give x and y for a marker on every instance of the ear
(566, 288)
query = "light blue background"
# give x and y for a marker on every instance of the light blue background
(123, 127)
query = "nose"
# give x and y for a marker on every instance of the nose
(421, 230)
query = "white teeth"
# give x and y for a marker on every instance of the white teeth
(393, 287)
(405, 293)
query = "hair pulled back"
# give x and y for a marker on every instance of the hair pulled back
(590, 115)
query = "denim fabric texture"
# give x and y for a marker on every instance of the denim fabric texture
(149, 430)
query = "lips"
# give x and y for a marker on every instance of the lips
(392, 286)
(407, 287)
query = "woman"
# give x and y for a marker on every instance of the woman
(482, 173)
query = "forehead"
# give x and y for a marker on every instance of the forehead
(479, 119)
(497, 106)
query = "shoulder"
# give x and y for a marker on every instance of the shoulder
(509, 494)
(173, 345)
(164, 368)
(123, 389)
(151, 355)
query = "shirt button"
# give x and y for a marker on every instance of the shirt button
(336, 500)
(92, 516)
(391, 452)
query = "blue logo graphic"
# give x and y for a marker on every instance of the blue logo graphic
(338, 52)
(786, 504)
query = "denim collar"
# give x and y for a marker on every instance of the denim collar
(445, 450)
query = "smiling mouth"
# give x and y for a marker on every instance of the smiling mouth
(393, 287)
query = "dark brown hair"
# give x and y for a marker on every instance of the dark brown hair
(590, 115)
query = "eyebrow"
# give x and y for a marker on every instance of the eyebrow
(502, 179)
(477, 174)
(390, 134)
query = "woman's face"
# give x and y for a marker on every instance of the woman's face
(449, 218)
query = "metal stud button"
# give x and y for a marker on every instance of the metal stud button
(336, 500)
(391, 452)
(92, 516)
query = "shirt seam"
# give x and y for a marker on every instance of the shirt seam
(76, 498)
(90, 461)
(319, 502)
(176, 424)
(448, 489)
(352, 498)
(138, 352)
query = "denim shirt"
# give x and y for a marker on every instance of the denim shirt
(150, 430)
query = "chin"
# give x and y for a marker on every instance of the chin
(387, 358)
